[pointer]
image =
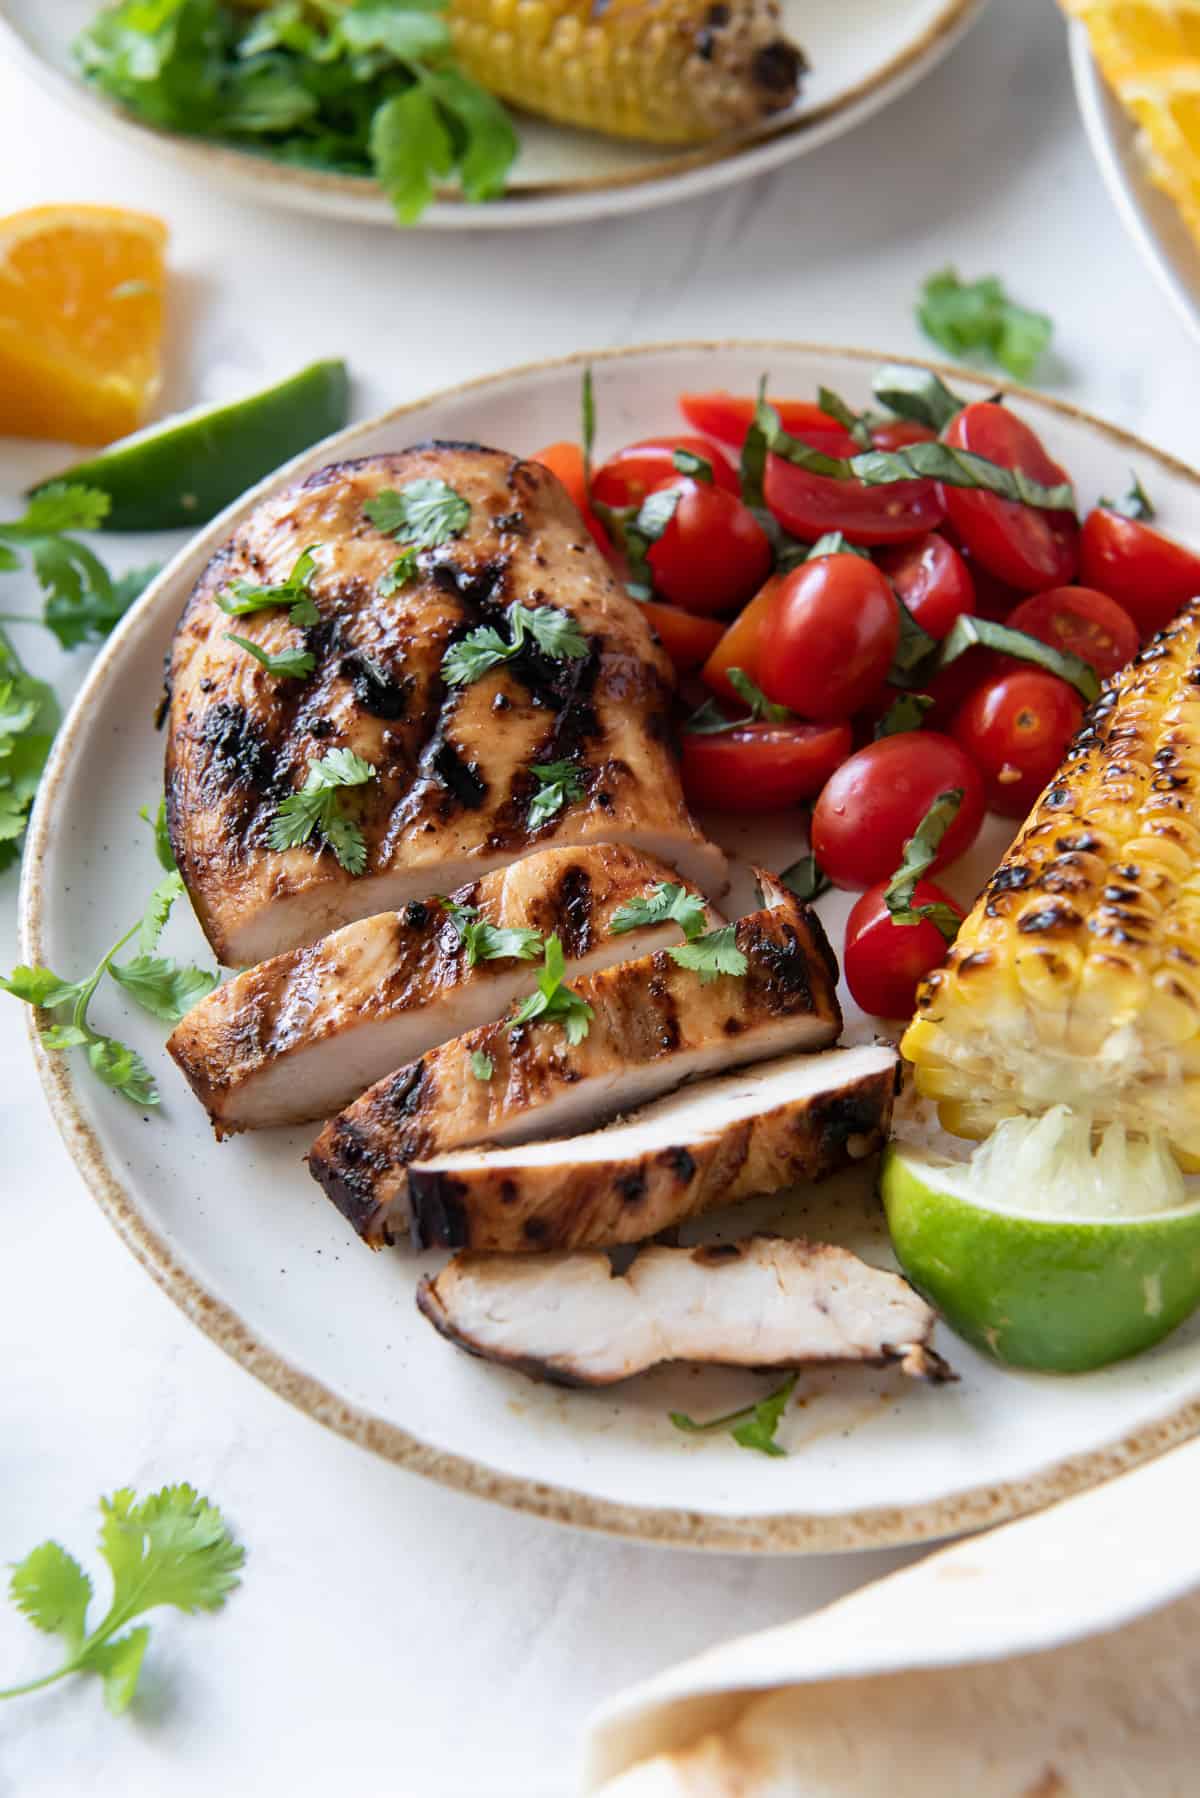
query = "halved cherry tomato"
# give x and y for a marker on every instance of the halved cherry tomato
(1029, 548)
(626, 478)
(1147, 573)
(687, 639)
(829, 637)
(875, 801)
(714, 555)
(566, 461)
(726, 417)
(761, 767)
(741, 644)
(1016, 728)
(933, 581)
(898, 433)
(884, 962)
(1080, 620)
(810, 504)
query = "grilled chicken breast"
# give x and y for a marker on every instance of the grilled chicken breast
(799, 1118)
(763, 1302)
(655, 1025)
(304, 1033)
(452, 785)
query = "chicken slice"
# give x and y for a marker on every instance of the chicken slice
(303, 1034)
(802, 1117)
(763, 1302)
(655, 1025)
(452, 786)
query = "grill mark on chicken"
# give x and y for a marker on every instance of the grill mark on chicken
(376, 688)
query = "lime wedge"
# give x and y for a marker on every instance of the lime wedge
(182, 472)
(1063, 1294)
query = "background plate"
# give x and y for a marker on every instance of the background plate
(249, 1247)
(863, 53)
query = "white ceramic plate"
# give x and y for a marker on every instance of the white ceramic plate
(249, 1247)
(863, 53)
(1148, 214)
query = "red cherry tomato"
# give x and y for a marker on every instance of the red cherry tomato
(829, 637)
(714, 555)
(566, 461)
(898, 433)
(727, 417)
(741, 644)
(626, 478)
(1028, 548)
(933, 581)
(808, 505)
(1147, 573)
(761, 767)
(687, 639)
(875, 801)
(1079, 619)
(884, 962)
(1016, 728)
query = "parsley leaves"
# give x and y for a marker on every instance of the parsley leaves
(665, 903)
(482, 941)
(754, 1426)
(920, 853)
(558, 785)
(553, 632)
(977, 318)
(554, 1002)
(173, 1547)
(289, 664)
(241, 597)
(317, 806)
(423, 514)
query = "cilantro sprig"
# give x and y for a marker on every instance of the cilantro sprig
(753, 1426)
(317, 807)
(423, 514)
(287, 664)
(81, 600)
(707, 953)
(172, 1547)
(554, 1002)
(482, 941)
(711, 955)
(29, 717)
(559, 784)
(920, 853)
(555, 633)
(978, 319)
(239, 598)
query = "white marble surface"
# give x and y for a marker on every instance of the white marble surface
(393, 1638)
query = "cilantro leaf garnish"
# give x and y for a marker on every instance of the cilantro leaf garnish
(708, 720)
(288, 664)
(482, 1065)
(1134, 504)
(553, 1001)
(173, 1547)
(558, 785)
(399, 574)
(754, 1426)
(920, 853)
(665, 903)
(554, 632)
(162, 834)
(711, 955)
(977, 318)
(316, 806)
(241, 597)
(423, 514)
(482, 941)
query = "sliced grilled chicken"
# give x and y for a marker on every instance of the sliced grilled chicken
(763, 1302)
(655, 1025)
(800, 1118)
(305, 1033)
(452, 788)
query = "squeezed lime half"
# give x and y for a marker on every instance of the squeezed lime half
(182, 472)
(1064, 1294)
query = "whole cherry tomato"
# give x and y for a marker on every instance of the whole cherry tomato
(566, 461)
(933, 581)
(1016, 728)
(872, 805)
(1024, 546)
(713, 555)
(726, 417)
(761, 767)
(687, 639)
(1080, 620)
(626, 478)
(829, 637)
(1147, 573)
(884, 962)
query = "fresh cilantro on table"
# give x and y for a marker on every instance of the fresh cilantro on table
(162, 834)
(82, 601)
(288, 664)
(172, 1547)
(29, 717)
(665, 903)
(482, 941)
(754, 1426)
(711, 955)
(369, 88)
(553, 632)
(241, 597)
(482, 1065)
(558, 785)
(553, 1001)
(920, 853)
(977, 318)
(317, 806)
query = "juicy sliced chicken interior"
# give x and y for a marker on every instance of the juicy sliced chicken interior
(799, 1118)
(452, 787)
(306, 1032)
(654, 1025)
(762, 1302)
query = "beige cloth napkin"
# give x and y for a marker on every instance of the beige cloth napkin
(939, 1680)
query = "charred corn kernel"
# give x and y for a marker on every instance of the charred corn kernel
(1076, 978)
(673, 71)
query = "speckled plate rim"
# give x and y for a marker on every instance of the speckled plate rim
(787, 1532)
(656, 183)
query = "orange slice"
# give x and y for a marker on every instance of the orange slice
(81, 321)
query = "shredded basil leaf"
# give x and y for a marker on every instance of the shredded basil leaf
(968, 630)
(918, 395)
(920, 853)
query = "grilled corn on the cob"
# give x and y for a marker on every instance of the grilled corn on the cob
(674, 71)
(1076, 978)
